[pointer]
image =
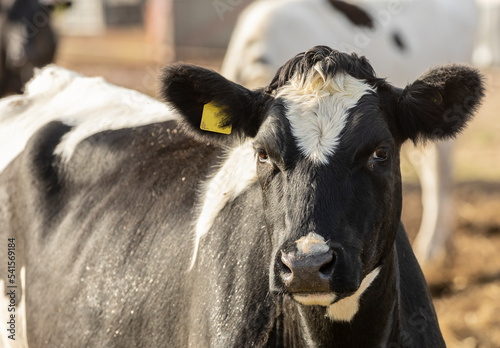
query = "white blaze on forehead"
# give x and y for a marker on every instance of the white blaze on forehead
(313, 243)
(318, 109)
(236, 174)
(346, 309)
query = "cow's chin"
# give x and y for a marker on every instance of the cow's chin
(315, 299)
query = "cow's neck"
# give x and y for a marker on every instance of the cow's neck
(372, 324)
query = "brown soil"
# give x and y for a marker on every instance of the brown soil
(466, 288)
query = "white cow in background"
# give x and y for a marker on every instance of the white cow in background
(401, 38)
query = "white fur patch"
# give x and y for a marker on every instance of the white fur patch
(318, 109)
(313, 243)
(346, 309)
(236, 174)
(91, 105)
(21, 339)
(316, 299)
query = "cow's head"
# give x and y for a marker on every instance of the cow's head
(326, 136)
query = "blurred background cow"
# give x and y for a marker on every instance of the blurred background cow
(128, 41)
(27, 40)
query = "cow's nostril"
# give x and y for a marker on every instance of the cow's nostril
(286, 263)
(326, 270)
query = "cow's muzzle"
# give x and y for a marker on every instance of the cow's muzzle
(306, 266)
(309, 273)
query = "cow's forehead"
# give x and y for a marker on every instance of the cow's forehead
(318, 108)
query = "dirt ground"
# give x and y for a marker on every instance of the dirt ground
(466, 289)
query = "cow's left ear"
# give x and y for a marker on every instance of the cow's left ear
(212, 108)
(439, 103)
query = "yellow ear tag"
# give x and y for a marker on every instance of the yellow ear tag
(212, 117)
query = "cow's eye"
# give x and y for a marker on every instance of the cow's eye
(263, 156)
(380, 155)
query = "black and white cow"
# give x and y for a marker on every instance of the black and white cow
(280, 227)
(27, 41)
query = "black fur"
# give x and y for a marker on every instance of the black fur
(440, 103)
(398, 41)
(332, 61)
(355, 14)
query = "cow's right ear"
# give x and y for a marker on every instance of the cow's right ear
(212, 108)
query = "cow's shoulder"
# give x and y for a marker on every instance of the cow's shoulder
(150, 157)
(149, 148)
(89, 105)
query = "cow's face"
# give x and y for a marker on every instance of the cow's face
(326, 136)
(328, 166)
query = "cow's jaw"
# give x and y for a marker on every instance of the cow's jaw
(346, 308)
